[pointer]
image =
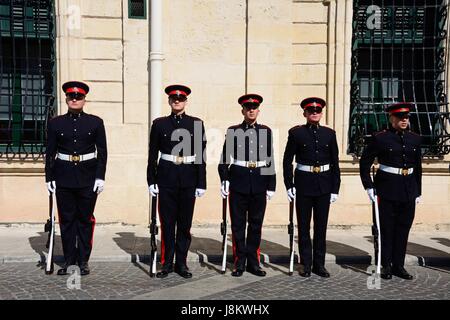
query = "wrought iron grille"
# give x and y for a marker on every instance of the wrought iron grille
(137, 9)
(27, 76)
(399, 53)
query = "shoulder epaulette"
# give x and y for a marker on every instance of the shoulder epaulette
(159, 119)
(331, 129)
(296, 127)
(263, 126)
(379, 132)
(234, 126)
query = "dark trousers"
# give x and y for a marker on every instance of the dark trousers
(77, 222)
(318, 207)
(243, 208)
(396, 219)
(176, 209)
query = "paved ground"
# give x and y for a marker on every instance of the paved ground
(120, 271)
(122, 280)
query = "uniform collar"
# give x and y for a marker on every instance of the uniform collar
(399, 132)
(177, 117)
(75, 115)
(245, 125)
(312, 126)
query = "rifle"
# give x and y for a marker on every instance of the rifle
(291, 237)
(153, 232)
(50, 228)
(223, 232)
(376, 229)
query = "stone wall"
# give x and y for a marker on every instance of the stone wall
(285, 51)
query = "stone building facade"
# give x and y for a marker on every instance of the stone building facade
(284, 50)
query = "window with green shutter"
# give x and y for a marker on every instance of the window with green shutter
(399, 51)
(137, 9)
(27, 75)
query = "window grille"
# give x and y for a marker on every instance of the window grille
(27, 76)
(137, 9)
(399, 53)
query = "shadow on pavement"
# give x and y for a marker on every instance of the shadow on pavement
(428, 255)
(210, 253)
(443, 241)
(138, 248)
(38, 245)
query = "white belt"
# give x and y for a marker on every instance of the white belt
(177, 159)
(249, 164)
(76, 157)
(402, 171)
(314, 169)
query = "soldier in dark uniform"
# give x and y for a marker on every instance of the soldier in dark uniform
(178, 177)
(75, 168)
(397, 184)
(315, 184)
(247, 173)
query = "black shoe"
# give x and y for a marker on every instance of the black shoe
(256, 271)
(183, 272)
(401, 273)
(321, 271)
(84, 269)
(63, 270)
(305, 272)
(164, 272)
(237, 272)
(386, 273)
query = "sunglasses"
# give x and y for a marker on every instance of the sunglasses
(75, 96)
(401, 115)
(177, 98)
(251, 106)
(314, 110)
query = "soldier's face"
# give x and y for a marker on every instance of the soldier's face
(399, 121)
(75, 102)
(313, 115)
(177, 103)
(250, 114)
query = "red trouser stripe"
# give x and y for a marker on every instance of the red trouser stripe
(235, 257)
(163, 251)
(93, 227)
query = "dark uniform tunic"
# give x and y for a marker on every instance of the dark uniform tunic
(76, 134)
(176, 182)
(396, 192)
(248, 187)
(313, 146)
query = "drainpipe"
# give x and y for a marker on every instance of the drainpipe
(156, 59)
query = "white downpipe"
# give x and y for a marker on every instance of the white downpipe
(156, 59)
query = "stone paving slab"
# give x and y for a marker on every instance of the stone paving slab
(123, 280)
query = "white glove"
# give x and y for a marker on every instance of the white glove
(418, 199)
(153, 189)
(51, 187)
(199, 192)
(269, 194)
(371, 194)
(333, 197)
(99, 185)
(225, 189)
(291, 194)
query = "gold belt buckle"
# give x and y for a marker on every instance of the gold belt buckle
(75, 158)
(405, 172)
(179, 160)
(252, 164)
(316, 169)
